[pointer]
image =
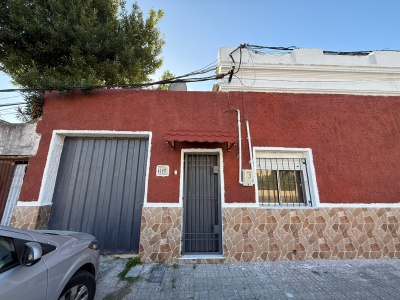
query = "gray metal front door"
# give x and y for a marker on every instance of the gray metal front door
(100, 190)
(202, 228)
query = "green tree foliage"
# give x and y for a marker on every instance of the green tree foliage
(54, 44)
(33, 108)
(165, 76)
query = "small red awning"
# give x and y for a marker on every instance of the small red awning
(200, 137)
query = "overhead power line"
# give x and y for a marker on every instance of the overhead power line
(19, 96)
(12, 104)
(183, 78)
(256, 48)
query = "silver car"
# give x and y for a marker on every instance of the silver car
(47, 265)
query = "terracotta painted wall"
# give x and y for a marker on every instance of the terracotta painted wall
(355, 139)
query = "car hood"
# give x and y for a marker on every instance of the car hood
(77, 235)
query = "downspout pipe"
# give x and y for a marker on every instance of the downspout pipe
(250, 150)
(240, 146)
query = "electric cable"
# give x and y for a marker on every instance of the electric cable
(12, 104)
(255, 49)
(240, 58)
(183, 78)
(290, 48)
(254, 71)
(8, 109)
(11, 97)
(208, 68)
(8, 114)
(13, 111)
(325, 81)
(138, 85)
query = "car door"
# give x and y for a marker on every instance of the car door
(18, 281)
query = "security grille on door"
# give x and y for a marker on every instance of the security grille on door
(202, 211)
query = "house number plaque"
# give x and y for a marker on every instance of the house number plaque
(162, 170)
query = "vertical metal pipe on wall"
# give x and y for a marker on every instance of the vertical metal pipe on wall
(250, 151)
(240, 147)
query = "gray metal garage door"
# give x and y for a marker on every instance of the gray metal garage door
(100, 190)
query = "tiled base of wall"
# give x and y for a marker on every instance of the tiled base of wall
(160, 234)
(31, 217)
(253, 234)
(258, 234)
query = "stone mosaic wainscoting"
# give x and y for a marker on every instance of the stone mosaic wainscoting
(160, 234)
(255, 234)
(258, 234)
(31, 217)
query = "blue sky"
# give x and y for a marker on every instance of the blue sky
(194, 30)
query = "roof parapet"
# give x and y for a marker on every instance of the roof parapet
(311, 70)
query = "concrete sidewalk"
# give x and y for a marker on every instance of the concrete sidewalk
(318, 279)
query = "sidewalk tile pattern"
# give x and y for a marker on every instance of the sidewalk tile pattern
(288, 280)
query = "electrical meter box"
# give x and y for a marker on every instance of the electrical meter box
(247, 176)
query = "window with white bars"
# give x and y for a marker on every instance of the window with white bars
(283, 180)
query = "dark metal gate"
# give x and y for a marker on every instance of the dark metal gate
(202, 230)
(6, 174)
(100, 190)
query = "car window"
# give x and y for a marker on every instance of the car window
(8, 255)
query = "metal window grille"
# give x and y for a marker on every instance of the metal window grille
(283, 182)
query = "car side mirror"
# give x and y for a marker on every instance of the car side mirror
(32, 254)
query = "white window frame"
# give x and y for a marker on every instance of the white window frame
(279, 152)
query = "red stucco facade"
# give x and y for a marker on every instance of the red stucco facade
(355, 140)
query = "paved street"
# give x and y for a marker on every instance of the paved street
(349, 279)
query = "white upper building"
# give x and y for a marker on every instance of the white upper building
(310, 71)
